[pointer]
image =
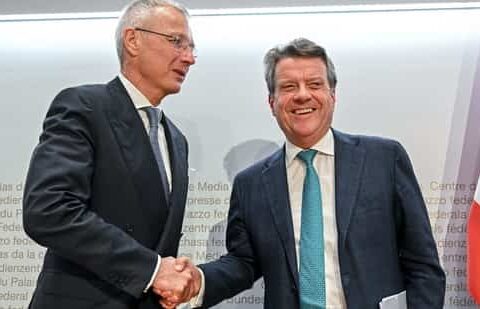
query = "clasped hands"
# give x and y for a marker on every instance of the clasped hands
(176, 282)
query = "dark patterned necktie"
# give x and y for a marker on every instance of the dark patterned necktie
(153, 119)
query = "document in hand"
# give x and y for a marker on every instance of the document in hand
(396, 301)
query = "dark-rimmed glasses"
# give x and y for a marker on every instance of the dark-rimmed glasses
(179, 43)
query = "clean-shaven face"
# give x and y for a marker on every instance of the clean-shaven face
(302, 102)
(162, 66)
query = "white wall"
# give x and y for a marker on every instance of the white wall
(407, 75)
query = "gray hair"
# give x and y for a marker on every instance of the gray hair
(299, 47)
(135, 13)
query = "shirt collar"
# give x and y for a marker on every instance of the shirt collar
(138, 99)
(325, 146)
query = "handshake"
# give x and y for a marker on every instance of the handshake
(177, 281)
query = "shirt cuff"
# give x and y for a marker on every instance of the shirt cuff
(157, 267)
(197, 301)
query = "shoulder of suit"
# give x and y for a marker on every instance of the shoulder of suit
(369, 142)
(258, 167)
(91, 93)
(78, 98)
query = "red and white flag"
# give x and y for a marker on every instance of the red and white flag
(473, 247)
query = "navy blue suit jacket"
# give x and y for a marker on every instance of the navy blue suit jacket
(93, 197)
(385, 241)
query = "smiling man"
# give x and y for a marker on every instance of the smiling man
(107, 183)
(332, 220)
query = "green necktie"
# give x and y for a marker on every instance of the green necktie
(312, 261)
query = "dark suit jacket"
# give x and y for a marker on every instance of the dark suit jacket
(384, 237)
(93, 197)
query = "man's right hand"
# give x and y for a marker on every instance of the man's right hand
(177, 281)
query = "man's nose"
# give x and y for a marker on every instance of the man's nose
(303, 94)
(188, 56)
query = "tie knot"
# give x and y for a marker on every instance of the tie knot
(307, 156)
(153, 116)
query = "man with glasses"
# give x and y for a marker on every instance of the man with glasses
(107, 183)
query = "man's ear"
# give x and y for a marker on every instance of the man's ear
(131, 42)
(271, 101)
(333, 95)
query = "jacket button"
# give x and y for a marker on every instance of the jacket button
(129, 228)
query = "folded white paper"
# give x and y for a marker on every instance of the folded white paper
(396, 301)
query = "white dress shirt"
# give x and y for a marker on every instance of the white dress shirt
(324, 163)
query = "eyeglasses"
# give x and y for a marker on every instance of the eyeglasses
(181, 44)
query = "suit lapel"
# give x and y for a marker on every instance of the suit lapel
(274, 180)
(135, 146)
(178, 153)
(349, 158)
